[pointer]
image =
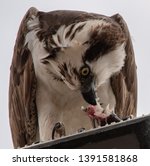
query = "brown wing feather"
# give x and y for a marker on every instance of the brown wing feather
(124, 84)
(22, 89)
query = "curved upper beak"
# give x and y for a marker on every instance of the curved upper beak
(89, 94)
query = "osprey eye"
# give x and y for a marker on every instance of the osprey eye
(84, 71)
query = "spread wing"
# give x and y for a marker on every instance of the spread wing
(22, 90)
(124, 84)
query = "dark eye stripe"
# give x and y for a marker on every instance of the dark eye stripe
(104, 42)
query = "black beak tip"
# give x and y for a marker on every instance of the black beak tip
(90, 97)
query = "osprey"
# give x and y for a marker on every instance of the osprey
(63, 60)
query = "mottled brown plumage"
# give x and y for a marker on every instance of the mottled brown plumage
(22, 91)
(124, 84)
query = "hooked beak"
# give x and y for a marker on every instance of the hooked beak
(89, 95)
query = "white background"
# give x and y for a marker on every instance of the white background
(124, 156)
(135, 12)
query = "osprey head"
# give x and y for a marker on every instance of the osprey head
(84, 55)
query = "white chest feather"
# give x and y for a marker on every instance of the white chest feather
(57, 103)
